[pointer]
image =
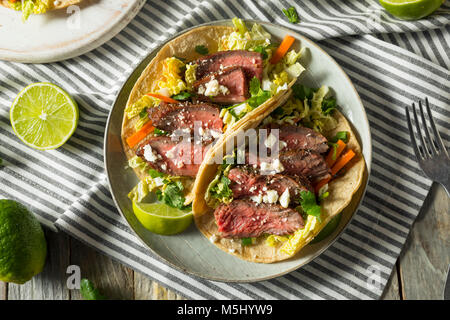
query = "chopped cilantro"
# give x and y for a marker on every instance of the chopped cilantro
(301, 92)
(341, 135)
(143, 113)
(222, 189)
(155, 174)
(172, 195)
(261, 49)
(292, 15)
(201, 49)
(309, 204)
(182, 95)
(180, 58)
(328, 105)
(160, 132)
(258, 95)
(246, 241)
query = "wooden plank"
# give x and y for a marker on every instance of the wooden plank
(426, 256)
(392, 290)
(50, 284)
(3, 290)
(146, 289)
(113, 280)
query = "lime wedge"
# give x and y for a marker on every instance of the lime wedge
(44, 116)
(162, 219)
(411, 9)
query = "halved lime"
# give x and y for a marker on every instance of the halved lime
(162, 219)
(44, 116)
(411, 9)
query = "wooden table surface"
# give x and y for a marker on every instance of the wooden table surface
(420, 271)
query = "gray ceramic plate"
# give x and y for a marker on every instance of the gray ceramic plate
(190, 251)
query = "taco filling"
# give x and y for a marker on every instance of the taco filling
(196, 90)
(277, 199)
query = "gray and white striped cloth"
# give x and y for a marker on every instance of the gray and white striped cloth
(391, 63)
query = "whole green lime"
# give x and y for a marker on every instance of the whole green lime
(23, 248)
(411, 9)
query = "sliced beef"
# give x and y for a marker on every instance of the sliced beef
(244, 218)
(251, 62)
(306, 163)
(170, 117)
(301, 138)
(172, 157)
(233, 84)
(246, 182)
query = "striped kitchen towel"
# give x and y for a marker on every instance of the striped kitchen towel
(391, 63)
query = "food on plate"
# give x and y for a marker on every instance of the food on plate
(36, 6)
(265, 203)
(197, 89)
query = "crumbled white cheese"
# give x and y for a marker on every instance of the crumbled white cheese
(149, 154)
(271, 196)
(223, 90)
(163, 166)
(266, 84)
(258, 198)
(285, 198)
(158, 181)
(275, 166)
(231, 250)
(212, 88)
(213, 238)
(201, 89)
(270, 141)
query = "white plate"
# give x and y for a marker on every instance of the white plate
(63, 34)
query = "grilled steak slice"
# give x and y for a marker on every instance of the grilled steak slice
(246, 182)
(244, 218)
(251, 62)
(301, 138)
(232, 80)
(176, 159)
(169, 117)
(302, 162)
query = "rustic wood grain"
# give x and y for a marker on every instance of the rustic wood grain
(3, 291)
(146, 289)
(50, 284)
(426, 256)
(113, 280)
(392, 289)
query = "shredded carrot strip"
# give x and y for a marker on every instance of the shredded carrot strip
(340, 163)
(141, 134)
(329, 158)
(161, 97)
(282, 49)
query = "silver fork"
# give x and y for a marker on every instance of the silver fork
(430, 151)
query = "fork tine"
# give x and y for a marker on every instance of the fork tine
(411, 133)
(430, 143)
(426, 154)
(437, 136)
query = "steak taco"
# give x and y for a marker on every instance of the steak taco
(265, 206)
(36, 6)
(196, 90)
